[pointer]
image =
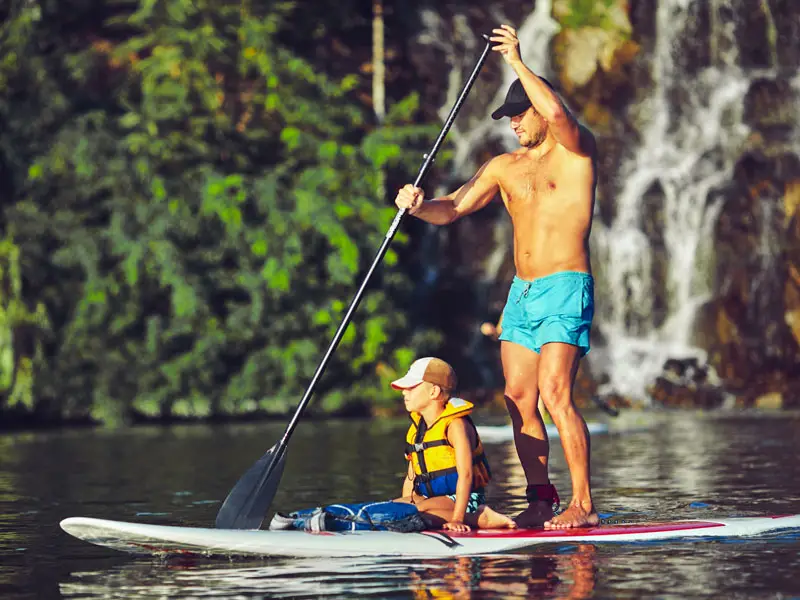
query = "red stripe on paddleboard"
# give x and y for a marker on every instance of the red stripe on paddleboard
(598, 531)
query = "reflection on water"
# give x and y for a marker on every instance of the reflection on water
(566, 574)
(680, 466)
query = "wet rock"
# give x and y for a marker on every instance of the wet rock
(698, 48)
(653, 226)
(786, 18)
(756, 33)
(594, 55)
(773, 389)
(750, 327)
(770, 108)
(617, 402)
(585, 51)
(685, 383)
(611, 150)
(770, 401)
(643, 22)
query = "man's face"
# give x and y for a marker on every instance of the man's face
(530, 127)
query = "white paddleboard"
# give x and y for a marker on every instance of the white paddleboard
(504, 433)
(139, 538)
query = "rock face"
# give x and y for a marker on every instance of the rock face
(751, 326)
(686, 383)
(695, 105)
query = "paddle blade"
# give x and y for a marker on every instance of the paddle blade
(248, 501)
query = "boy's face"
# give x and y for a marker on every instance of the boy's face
(420, 397)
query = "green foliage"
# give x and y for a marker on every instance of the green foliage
(196, 205)
(20, 334)
(577, 14)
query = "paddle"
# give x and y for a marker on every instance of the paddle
(248, 501)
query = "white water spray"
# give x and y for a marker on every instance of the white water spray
(687, 152)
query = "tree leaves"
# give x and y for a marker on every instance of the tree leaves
(195, 209)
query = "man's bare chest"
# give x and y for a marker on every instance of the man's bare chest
(529, 183)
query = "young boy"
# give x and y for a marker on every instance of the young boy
(447, 469)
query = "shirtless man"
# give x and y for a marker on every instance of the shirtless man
(548, 188)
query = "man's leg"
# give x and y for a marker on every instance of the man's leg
(558, 366)
(520, 367)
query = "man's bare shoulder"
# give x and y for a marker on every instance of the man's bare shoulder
(492, 169)
(499, 163)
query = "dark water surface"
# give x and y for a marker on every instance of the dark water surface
(680, 466)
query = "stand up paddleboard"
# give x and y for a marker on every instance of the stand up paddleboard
(164, 540)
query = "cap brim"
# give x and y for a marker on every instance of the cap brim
(511, 109)
(406, 382)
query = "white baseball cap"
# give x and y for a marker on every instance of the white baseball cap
(430, 369)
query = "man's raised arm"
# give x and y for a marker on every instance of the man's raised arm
(566, 129)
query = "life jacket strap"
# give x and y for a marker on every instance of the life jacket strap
(423, 478)
(419, 447)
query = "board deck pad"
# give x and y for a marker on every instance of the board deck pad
(140, 538)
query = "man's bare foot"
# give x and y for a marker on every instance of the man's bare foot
(491, 519)
(535, 516)
(574, 516)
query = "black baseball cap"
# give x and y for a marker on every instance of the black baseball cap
(516, 101)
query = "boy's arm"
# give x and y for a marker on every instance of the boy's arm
(408, 482)
(458, 438)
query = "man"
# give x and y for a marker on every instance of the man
(548, 188)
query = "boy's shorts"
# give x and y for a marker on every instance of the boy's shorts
(554, 308)
(475, 500)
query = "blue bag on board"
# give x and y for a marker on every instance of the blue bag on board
(365, 516)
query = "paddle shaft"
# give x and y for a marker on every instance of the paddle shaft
(429, 158)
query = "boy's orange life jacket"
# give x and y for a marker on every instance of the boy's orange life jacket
(434, 459)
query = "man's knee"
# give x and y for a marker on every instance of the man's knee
(556, 391)
(520, 392)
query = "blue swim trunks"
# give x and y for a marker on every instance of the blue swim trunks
(554, 308)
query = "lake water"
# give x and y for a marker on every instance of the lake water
(651, 466)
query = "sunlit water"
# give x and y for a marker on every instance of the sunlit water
(669, 466)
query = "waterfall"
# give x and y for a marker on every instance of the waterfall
(687, 152)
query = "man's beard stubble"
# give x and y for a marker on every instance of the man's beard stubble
(536, 140)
